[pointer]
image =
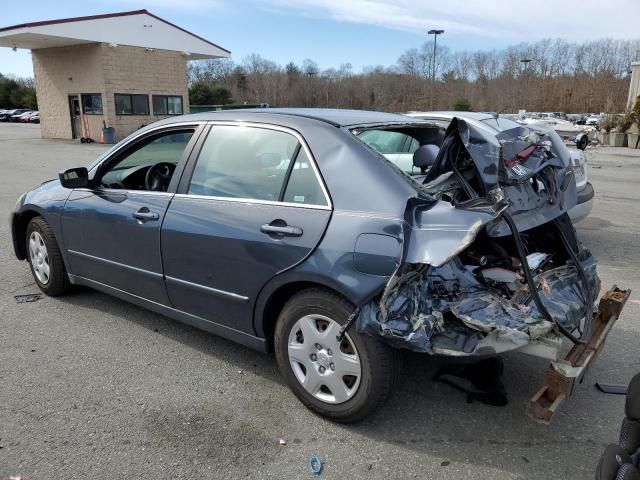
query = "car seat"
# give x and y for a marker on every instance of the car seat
(620, 462)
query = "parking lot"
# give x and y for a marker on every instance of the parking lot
(92, 387)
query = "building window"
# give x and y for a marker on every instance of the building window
(167, 105)
(130, 104)
(92, 103)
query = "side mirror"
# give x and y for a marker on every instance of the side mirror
(74, 178)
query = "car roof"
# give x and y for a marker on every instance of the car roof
(333, 116)
(450, 114)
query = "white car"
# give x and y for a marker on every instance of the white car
(498, 124)
(592, 120)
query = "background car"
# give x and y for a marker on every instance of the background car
(15, 116)
(498, 124)
(25, 117)
(592, 120)
(6, 114)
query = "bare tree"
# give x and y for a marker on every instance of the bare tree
(562, 76)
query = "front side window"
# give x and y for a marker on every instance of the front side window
(167, 105)
(92, 103)
(148, 165)
(254, 163)
(131, 104)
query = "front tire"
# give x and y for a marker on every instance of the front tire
(343, 381)
(45, 259)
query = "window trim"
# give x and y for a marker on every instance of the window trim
(82, 95)
(195, 153)
(166, 98)
(131, 95)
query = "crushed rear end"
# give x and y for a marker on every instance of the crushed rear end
(491, 262)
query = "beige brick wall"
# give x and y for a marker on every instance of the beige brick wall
(137, 70)
(634, 85)
(99, 68)
(63, 71)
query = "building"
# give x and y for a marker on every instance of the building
(122, 70)
(634, 86)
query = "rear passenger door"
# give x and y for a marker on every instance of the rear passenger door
(251, 204)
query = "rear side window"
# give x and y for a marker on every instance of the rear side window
(254, 163)
(303, 186)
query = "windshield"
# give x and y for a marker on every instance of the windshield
(500, 123)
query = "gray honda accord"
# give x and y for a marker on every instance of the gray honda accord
(294, 231)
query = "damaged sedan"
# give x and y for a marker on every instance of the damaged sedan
(291, 230)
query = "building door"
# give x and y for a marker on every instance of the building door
(74, 111)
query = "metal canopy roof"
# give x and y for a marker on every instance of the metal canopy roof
(137, 28)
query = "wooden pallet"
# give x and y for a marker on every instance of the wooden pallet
(561, 377)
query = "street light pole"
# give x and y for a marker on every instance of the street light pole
(526, 62)
(435, 34)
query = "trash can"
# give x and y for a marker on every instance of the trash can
(109, 135)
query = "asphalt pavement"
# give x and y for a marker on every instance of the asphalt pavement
(92, 387)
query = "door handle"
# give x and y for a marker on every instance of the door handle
(285, 230)
(144, 215)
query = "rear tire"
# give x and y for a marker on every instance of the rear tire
(345, 381)
(582, 141)
(45, 258)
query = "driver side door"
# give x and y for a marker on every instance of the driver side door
(111, 231)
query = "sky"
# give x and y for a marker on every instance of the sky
(360, 32)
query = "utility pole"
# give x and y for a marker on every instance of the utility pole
(526, 62)
(435, 34)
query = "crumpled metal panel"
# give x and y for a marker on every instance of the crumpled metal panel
(441, 232)
(447, 311)
(532, 203)
(562, 292)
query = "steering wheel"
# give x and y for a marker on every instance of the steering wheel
(158, 176)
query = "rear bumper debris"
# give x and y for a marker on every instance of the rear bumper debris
(445, 311)
(561, 377)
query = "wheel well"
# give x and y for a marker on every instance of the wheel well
(21, 232)
(278, 300)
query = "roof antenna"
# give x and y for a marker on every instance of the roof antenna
(501, 111)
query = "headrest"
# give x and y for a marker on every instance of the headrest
(632, 405)
(425, 156)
